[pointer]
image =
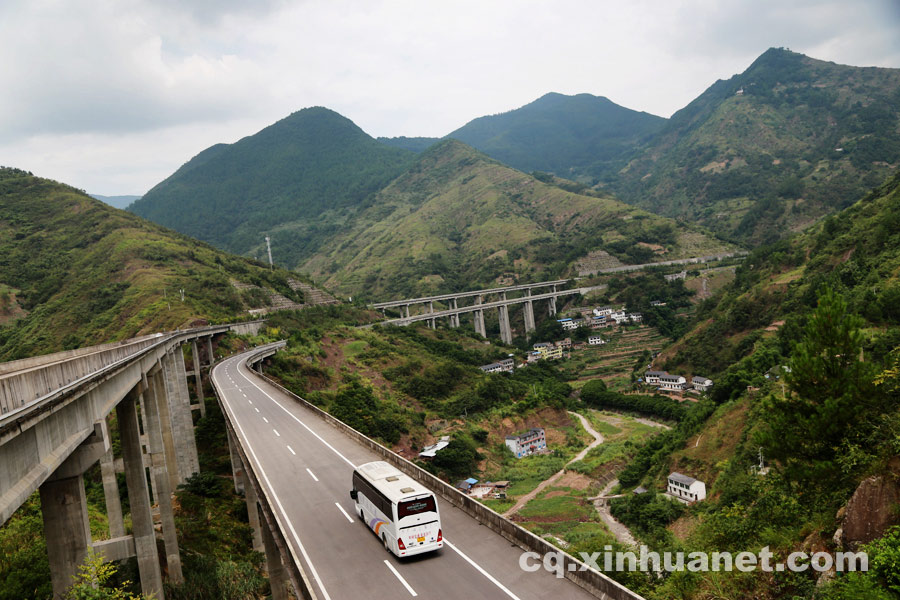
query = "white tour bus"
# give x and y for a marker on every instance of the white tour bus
(400, 511)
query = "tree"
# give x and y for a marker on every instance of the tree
(93, 581)
(831, 395)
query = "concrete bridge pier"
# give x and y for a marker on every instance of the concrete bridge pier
(407, 310)
(209, 352)
(553, 303)
(198, 381)
(151, 387)
(64, 509)
(505, 329)
(454, 318)
(139, 498)
(111, 494)
(252, 508)
(529, 316)
(237, 465)
(479, 318)
(278, 577)
(182, 423)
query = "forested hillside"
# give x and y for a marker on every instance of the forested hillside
(298, 180)
(800, 444)
(76, 272)
(772, 149)
(457, 219)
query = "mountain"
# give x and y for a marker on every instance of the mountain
(770, 150)
(414, 144)
(560, 134)
(295, 180)
(76, 272)
(456, 219)
(116, 201)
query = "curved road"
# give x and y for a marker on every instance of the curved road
(306, 464)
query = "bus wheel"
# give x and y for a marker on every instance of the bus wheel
(360, 513)
(384, 539)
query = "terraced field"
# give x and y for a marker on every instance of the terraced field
(614, 361)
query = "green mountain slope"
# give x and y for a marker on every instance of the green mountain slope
(560, 134)
(457, 219)
(75, 272)
(804, 349)
(295, 180)
(772, 149)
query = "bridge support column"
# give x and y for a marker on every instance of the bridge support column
(198, 381)
(111, 494)
(454, 318)
(553, 303)
(64, 509)
(278, 579)
(209, 352)
(253, 512)
(150, 388)
(407, 311)
(185, 450)
(479, 318)
(139, 498)
(529, 316)
(237, 465)
(505, 329)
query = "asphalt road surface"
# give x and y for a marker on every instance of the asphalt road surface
(306, 466)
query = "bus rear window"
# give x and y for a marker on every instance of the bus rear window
(415, 507)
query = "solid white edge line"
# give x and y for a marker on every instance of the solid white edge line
(341, 508)
(265, 419)
(482, 571)
(293, 416)
(311, 474)
(276, 432)
(292, 451)
(306, 557)
(403, 581)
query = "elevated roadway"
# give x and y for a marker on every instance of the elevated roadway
(305, 465)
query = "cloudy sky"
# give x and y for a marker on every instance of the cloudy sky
(112, 96)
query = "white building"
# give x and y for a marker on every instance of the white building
(603, 311)
(568, 324)
(596, 340)
(636, 317)
(652, 377)
(620, 317)
(667, 381)
(686, 488)
(528, 443)
(701, 384)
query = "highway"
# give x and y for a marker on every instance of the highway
(306, 466)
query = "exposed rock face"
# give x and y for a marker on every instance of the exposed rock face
(872, 509)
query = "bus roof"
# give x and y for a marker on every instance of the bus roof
(390, 481)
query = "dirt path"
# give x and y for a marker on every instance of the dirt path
(598, 439)
(622, 533)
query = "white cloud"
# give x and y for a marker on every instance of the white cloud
(113, 95)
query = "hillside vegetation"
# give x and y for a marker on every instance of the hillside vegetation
(76, 272)
(771, 149)
(803, 348)
(298, 180)
(457, 219)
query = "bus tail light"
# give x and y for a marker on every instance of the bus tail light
(400, 544)
(440, 535)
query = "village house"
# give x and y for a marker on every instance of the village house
(636, 317)
(667, 381)
(620, 317)
(701, 384)
(652, 377)
(686, 488)
(598, 322)
(596, 340)
(657, 303)
(550, 352)
(533, 357)
(676, 276)
(529, 442)
(565, 343)
(568, 324)
(603, 311)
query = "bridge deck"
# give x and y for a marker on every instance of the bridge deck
(306, 466)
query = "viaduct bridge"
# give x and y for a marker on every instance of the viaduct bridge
(530, 293)
(291, 461)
